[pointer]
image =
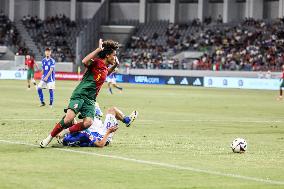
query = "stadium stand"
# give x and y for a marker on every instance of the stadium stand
(9, 36)
(58, 33)
(232, 46)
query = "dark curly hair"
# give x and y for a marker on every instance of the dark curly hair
(109, 46)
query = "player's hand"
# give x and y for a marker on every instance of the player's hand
(112, 129)
(101, 44)
(45, 79)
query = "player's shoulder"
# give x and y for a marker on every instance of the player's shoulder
(95, 59)
(52, 59)
(98, 60)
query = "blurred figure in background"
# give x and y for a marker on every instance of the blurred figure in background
(30, 67)
(111, 81)
(48, 77)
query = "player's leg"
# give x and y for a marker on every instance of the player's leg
(119, 115)
(32, 78)
(118, 87)
(109, 87)
(29, 84)
(51, 87)
(87, 111)
(73, 108)
(29, 79)
(280, 91)
(65, 122)
(280, 95)
(40, 93)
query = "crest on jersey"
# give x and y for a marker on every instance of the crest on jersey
(75, 106)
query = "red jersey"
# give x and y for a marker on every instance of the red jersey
(92, 81)
(30, 63)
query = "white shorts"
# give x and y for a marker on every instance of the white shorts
(101, 128)
(111, 80)
(44, 85)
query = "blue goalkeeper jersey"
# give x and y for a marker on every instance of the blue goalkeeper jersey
(47, 64)
(83, 139)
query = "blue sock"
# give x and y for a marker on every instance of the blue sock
(50, 96)
(126, 120)
(110, 90)
(40, 94)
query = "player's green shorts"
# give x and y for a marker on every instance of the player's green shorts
(85, 107)
(30, 74)
(282, 84)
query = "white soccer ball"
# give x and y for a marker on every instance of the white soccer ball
(239, 145)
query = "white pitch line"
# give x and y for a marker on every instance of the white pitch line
(165, 165)
(171, 120)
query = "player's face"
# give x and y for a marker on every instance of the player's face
(28, 57)
(47, 53)
(111, 58)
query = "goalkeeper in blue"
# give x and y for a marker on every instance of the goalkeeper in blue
(48, 78)
(99, 134)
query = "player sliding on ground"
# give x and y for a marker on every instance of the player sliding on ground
(84, 96)
(99, 134)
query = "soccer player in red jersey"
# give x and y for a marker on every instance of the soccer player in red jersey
(29, 65)
(84, 96)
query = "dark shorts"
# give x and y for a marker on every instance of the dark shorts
(85, 107)
(282, 84)
(30, 74)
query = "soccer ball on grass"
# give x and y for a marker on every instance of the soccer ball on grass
(239, 145)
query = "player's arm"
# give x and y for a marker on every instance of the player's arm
(102, 143)
(48, 74)
(112, 68)
(26, 66)
(50, 71)
(87, 61)
(37, 68)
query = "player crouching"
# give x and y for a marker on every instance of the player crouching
(99, 134)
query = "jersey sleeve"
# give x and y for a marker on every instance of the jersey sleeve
(52, 63)
(90, 63)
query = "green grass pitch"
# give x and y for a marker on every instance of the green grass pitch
(181, 139)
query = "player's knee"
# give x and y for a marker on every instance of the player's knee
(87, 123)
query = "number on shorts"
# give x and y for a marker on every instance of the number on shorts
(108, 125)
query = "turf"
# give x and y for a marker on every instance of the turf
(180, 140)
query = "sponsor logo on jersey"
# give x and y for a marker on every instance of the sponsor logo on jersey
(171, 81)
(75, 106)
